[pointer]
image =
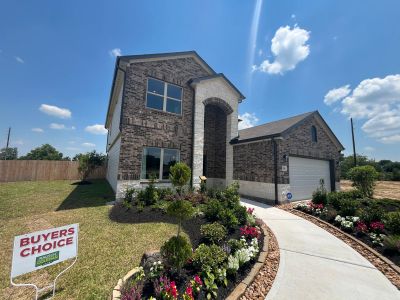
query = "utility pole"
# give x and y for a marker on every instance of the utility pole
(354, 144)
(8, 141)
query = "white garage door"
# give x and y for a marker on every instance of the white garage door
(305, 175)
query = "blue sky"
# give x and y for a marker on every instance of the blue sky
(340, 57)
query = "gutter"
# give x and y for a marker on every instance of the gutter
(275, 169)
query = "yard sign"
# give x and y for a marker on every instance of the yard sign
(38, 250)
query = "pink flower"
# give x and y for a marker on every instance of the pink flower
(361, 227)
(250, 210)
(250, 232)
(377, 226)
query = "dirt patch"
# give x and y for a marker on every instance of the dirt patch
(384, 189)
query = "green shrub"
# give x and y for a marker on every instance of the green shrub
(208, 257)
(371, 213)
(235, 245)
(176, 252)
(392, 222)
(348, 207)
(182, 210)
(163, 193)
(213, 209)
(334, 198)
(149, 195)
(329, 215)
(392, 243)
(228, 218)
(179, 175)
(214, 232)
(241, 214)
(364, 178)
(320, 196)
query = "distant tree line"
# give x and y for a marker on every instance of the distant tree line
(48, 152)
(387, 169)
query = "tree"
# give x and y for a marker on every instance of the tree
(44, 152)
(180, 175)
(347, 162)
(8, 153)
(88, 162)
(364, 178)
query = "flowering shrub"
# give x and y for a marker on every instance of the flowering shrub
(250, 231)
(156, 269)
(361, 227)
(196, 283)
(377, 238)
(167, 289)
(346, 223)
(377, 227)
(188, 294)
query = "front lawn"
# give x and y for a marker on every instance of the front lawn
(107, 249)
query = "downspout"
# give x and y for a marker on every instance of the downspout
(275, 169)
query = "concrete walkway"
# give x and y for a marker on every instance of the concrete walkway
(316, 265)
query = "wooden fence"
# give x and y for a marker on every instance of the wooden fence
(34, 170)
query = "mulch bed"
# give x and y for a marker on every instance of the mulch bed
(261, 285)
(390, 272)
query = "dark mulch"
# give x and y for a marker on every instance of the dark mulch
(119, 213)
(84, 182)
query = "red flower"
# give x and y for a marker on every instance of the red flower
(250, 232)
(361, 227)
(250, 210)
(377, 226)
(197, 280)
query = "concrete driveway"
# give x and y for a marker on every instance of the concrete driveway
(316, 265)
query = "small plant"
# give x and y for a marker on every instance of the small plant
(364, 179)
(188, 294)
(163, 193)
(149, 195)
(241, 214)
(179, 175)
(208, 257)
(392, 243)
(220, 276)
(320, 196)
(228, 219)
(214, 232)
(392, 221)
(250, 232)
(213, 209)
(372, 213)
(156, 270)
(166, 289)
(176, 252)
(196, 284)
(348, 207)
(377, 238)
(361, 227)
(182, 210)
(233, 264)
(235, 245)
(209, 285)
(377, 227)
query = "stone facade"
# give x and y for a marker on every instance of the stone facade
(143, 127)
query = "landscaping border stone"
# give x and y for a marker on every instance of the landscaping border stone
(387, 267)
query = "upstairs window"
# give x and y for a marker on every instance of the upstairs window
(314, 136)
(164, 96)
(156, 162)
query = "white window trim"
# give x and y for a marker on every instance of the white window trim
(165, 96)
(161, 167)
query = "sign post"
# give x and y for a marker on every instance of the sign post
(41, 249)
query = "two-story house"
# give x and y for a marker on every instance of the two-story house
(173, 107)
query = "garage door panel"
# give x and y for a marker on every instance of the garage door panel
(305, 175)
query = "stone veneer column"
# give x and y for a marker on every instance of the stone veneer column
(231, 132)
(198, 141)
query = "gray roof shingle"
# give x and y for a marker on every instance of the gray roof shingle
(271, 129)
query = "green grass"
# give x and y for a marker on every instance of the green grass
(107, 249)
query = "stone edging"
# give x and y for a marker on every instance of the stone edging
(245, 287)
(387, 267)
(116, 294)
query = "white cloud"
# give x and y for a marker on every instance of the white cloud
(248, 120)
(289, 47)
(40, 130)
(55, 111)
(376, 102)
(115, 52)
(96, 129)
(335, 95)
(89, 145)
(369, 149)
(19, 59)
(58, 126)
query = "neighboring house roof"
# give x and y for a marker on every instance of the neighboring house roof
(121, 62)
(220, 75)
(279, 128)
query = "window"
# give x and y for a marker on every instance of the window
(156, 162)
(164, 96)
(314, 137)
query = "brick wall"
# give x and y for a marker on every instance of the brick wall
(215, 141)
(255, 162)
(146, 127)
